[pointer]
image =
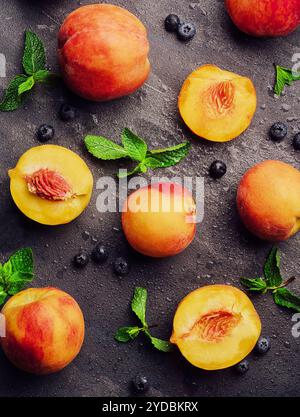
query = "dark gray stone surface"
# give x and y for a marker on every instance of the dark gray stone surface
(222, 251)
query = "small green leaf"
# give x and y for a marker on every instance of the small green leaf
(285, 298)
(138, 304)
(126, 334)
(26, 85)
(257, 284)
(140, 168)
(3, 296)
(272, 269)
(160, 344)
(34, 58)
(103, 148)
(22, 261)
(135, 146)
(284, 76)
(164, 158)
(12, 100)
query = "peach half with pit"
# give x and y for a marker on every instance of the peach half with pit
(216, 327)
(51, 184)
(217, 105)
(160, 220)
(44, 330)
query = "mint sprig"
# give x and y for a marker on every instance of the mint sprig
(284, 76)
(127, 334)
(136, 149)
(16, 273)
(274, 282)
(34, 66)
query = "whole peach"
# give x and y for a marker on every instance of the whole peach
(265, 17)
(160, 220)
(268, 200)
(44, 330)
(103, 52)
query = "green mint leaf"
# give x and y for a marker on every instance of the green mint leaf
(43, 76)
(160, 344)
(135, 147)
(12, 100)
(22, 261)
(17, 271)
(3, 296)
(139, 169)
(103, 148)
(285, 298)
(164, 158)
(126, 334)
(257, 284)
(34, 58)
(272, 269)
(284, 76)
(138, 304)
(26, 85)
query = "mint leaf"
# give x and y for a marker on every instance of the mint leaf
(285, 298)
(34, 58)
(43, 76)
(138, 304)
(272, 269)
(17, 271)
(284, 76)
(257, 284)
(126, 334)
(160, 344)
(12, 100)
(103, 148)
(135, 146)
(26, 85)
(3, 296)
(164, 158)
(140, 168)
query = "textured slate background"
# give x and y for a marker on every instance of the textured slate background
(222, 251)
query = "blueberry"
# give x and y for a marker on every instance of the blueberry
(242, 367)
(296, 142)
(99, 254)
(172, 23)
(278, 132)
(263, 345)
(67, 112)
(81, 260)
(186, 31)
(140, 384)
(217, 169)
(45, 133)
(121, 267)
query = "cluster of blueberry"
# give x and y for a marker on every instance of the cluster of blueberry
(46, 132)
(185, 31)
(279, 131)
(100, 256)
(263, 346)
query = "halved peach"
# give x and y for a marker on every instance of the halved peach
(217, 105)
(216, 327)
(51, 184)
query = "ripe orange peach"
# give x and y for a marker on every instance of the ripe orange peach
(51, 184)
(217, 105)
(160, 220)
(216, 327)
(103, 52)
(265, 17)
(268, 200)
(44, 330)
